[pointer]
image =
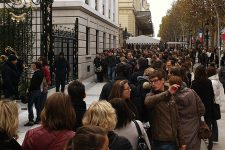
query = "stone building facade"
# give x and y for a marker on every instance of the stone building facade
(98, 28)
(136, 17)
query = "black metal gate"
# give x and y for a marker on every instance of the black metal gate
(65, 40)
(26, 27)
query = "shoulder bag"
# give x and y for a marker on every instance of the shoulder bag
(204, 131)
(141, 141)
(216, 114)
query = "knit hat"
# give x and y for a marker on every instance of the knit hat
(12, 58)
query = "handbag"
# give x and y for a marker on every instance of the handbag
(141, 141)
(204, 132)
(98, 69)
(216, 112)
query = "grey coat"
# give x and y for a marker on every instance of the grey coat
(186, 100)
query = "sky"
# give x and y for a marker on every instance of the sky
(158, 9)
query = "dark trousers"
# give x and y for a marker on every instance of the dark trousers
(43, 99)
(99, 76)
(209, 123)
(34, 99)
(163, 145)
(215, 130)
(60, 81)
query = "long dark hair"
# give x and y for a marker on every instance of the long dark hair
(124, 114)
(200, 73)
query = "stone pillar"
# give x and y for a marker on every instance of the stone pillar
(116, 12)
(100, 6)
(107, 8)
(92, 3)
(112, 9)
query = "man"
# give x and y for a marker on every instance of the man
(35, 93)
(164, 120)
(142, 65)
(169, 65)
(10, 77)
(121, 74)
(110, 62)
(61, 71)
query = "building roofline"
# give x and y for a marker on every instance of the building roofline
(78, 5)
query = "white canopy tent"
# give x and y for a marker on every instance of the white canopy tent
(142, 40)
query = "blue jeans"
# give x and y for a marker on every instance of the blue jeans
(43, 98)
(34, 99)
(163, 145)
(111, 73)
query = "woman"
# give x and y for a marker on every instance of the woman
(57, 122)
(217, 87)
(9, 125)
(125, 125)
(89, 137)
(203, 87)
(121, 89)
(102, 114)
(190, 109)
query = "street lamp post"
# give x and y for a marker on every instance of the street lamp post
(218, 31)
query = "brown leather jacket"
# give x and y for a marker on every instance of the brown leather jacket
(164, 122)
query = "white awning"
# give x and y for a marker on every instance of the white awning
(177, 43)
(142, 39)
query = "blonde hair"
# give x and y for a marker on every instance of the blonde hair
(148, 71)
(101, 114)
(9, 118)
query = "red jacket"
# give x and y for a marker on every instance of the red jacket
(47, 74)
(41, 138)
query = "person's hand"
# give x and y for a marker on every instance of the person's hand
(173, 88)
(183, 147)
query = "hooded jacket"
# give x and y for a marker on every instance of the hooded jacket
(217, 88)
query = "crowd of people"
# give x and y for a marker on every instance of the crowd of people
(151, 100)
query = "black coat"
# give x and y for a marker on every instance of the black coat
(61, 67)
(111, 61)
(36, 80)
(139, 97)
(10, 77)
(80, 109)
(204, 89)
(118, 143)
(7, 143)
(135, 75)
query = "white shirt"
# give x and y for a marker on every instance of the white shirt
(130, 132)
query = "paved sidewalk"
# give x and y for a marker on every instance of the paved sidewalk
(92, 93)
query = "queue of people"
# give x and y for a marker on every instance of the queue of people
(149, 102)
